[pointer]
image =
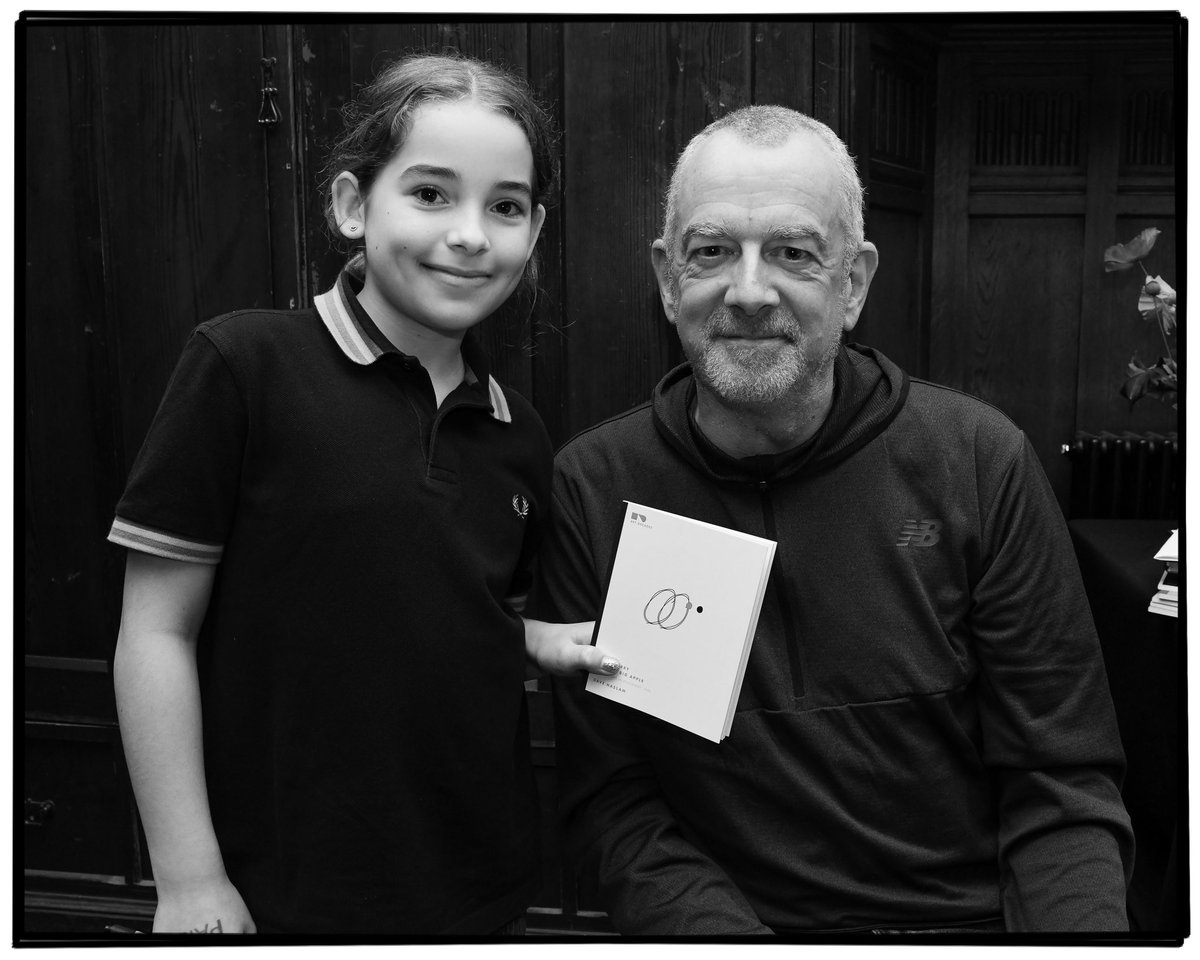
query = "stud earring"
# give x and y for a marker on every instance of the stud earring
(351, 226)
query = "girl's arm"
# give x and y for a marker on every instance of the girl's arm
(565, 648)
(158, 705)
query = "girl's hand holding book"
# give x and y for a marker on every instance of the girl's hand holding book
(564, 649)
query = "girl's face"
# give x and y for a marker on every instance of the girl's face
(449, 222)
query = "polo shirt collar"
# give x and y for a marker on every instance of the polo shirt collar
(360, 340)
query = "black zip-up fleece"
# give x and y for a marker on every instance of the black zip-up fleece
(925, 735)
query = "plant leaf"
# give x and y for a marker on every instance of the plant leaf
(1122, 256)
(1160, 380)
(1134, 388)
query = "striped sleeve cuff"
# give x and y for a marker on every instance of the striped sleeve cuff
(149, 540)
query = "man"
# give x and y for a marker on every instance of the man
(925, 737)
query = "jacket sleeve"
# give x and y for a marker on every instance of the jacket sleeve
(653, 880)
(1049, 728)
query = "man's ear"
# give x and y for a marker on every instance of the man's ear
(859, 282)
(348, 203)
(662, 273)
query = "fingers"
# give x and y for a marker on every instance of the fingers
(564, 649)
(594, 660)
(568, 659)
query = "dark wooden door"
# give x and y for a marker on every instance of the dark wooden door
(1053, 144)
(152, 203)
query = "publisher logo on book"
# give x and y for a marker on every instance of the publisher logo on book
(640, 519)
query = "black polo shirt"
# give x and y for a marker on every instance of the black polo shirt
(362, 665)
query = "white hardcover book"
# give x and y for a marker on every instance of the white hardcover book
(680, 613)
(1169, 551)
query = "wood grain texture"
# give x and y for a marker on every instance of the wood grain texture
(72, 435)
(1112, 330)
(189, 224)
(634, 93)
(1023, 328)
(75, 768)
(897, 153)
(783, 64)
(322, 64)
(549, 361)
(284, 175)
(951, 182)
(892, 322)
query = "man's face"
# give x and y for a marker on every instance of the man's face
(756, 287)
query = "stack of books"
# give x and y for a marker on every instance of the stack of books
(1166, 599)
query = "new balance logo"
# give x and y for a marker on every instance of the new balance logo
(919, 533)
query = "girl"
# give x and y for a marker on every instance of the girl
(350, 503)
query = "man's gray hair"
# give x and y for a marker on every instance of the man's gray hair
(769, 126)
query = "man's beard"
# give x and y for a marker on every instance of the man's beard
(765, 373)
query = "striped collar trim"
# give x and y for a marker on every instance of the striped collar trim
(337, 313)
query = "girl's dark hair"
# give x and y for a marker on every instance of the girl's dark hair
(378, 120)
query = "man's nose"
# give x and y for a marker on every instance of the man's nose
(751, 289)
(467, 233)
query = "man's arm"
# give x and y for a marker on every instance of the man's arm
(158, 705)
(653, 880)
(1049, 728)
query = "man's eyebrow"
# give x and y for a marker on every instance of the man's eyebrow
(798, 232)
(705, 230)
(714, 230)
(447, 173)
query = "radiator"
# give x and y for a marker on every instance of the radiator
(1125, 475)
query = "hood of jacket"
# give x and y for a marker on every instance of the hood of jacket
(868, 391)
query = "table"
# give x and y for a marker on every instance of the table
(1145, 659)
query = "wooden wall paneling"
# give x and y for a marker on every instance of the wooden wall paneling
(75, 770)
(69, 605)
(550, 321)
(321, 58)
(897, 152)
(284, 172)
(1131, 189)
(784, 63)
(892, 320)
(189, 226)
(835, 46)
(1023, 276)
(951, 180)
(68, 689)
(634, 93)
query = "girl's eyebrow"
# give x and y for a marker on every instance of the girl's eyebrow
(429, 170)
(446, 173)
